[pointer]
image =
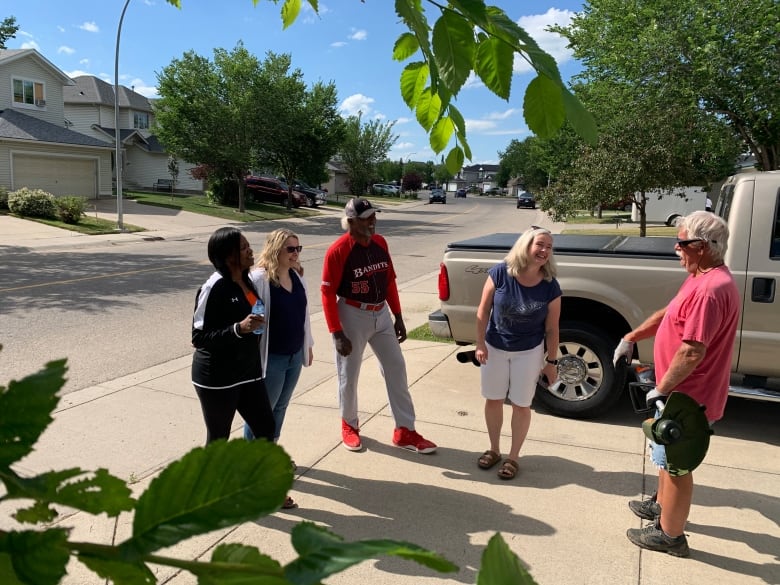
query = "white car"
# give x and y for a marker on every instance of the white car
(385, 189)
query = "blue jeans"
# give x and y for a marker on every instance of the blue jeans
(281, 376)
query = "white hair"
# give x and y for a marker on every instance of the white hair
(711, 228)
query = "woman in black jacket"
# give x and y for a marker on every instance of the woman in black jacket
(226, 369)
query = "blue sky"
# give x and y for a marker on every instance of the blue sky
(349, 43)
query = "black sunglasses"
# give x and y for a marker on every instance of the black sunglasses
(684, 243)
(291, 249)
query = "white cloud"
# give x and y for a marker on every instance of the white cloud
(357, 103)
(338, 44)
(24, 34)
(76, 73)
(60, 28)
(84, 62)
(472, 81)
(502, 115)
(31, 45)
(149, 2)
(90, 27)
(403, 121)
(66, 49)
(358, 35)
(479, 126)
(553, 43)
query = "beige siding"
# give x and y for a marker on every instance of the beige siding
(103, 157)
(52, 85)
(145, 168)
(82, 117)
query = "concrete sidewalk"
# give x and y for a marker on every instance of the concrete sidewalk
(565, 514)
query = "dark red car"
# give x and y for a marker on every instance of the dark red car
(272, 190)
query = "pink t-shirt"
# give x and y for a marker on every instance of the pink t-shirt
(706, 310)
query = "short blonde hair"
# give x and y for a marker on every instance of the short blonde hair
(519, 256)
(269, 256)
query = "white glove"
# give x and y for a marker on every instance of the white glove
(625, 349)
(655, 396)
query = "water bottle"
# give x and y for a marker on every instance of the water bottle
(259, 309)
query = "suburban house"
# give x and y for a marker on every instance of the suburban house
(481, 177)
(37, 149)
(338, 177)
(89, 109)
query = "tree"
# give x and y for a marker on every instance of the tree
(469, 37)
(722, 56)
(173, 171)
(207, 111)
(364, 146)
(645, 145)
(300, 129)
(8, 28)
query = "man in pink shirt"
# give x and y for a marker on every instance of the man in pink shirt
(694, 339)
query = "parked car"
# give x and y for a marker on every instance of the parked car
(385, 189)
(437, 196)
(314, 196)
(493, 191)
(460, 193)
(525, 199)
(624, 204)
(273, 190)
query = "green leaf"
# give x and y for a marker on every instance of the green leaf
(25, 410)
(410, 12)
(581, 119)
(457, 119)
(413, 80)
(428, 108)
(94, 492)
(454, 160)
(474, 10)
(441, 134)
(236, 564)
(212, 487)
(120, 572)
(37, 557)
(500, 566)
(323, 553)
(493, 65)
(290, 11)
(38, 512)
(406, 46)
(543, 106)
(453, 44)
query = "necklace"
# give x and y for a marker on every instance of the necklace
(710, 268)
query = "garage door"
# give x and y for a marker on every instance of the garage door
(56, 175)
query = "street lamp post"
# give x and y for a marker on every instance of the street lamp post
(118, 142)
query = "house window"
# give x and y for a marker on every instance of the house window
(28, 92)
(141, 120)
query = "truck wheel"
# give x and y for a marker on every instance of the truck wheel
(588, 384)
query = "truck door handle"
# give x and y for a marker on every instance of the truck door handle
(763, 290)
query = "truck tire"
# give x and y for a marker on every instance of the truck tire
(589, 384)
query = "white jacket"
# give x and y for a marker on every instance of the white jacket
(259, 277)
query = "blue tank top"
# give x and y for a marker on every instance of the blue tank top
(518, 315)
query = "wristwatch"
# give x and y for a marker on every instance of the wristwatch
(551, 362)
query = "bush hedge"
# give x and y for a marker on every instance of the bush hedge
(71, 208)
(3, 197)
(26, 202)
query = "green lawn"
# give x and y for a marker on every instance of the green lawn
(423, 333)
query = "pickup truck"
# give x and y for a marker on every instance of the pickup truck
(612, 283)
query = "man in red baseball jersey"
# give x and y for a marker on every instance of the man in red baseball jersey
(359, 294)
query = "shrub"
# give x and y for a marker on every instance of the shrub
(3, 197)
(71, 208)
(27, 202)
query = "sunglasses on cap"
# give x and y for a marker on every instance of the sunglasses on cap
(291, 249)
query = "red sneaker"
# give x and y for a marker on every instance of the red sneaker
(350, 437)
(412, 440)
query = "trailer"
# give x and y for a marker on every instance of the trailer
(664, 207)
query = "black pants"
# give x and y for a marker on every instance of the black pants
(219, 406)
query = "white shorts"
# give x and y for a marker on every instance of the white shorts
(511, 374)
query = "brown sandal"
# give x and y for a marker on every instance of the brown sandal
(488, 459)
(508, 469)
(289, 504)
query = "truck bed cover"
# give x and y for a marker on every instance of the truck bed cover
(657, 247)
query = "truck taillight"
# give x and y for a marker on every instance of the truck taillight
(444, 283)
